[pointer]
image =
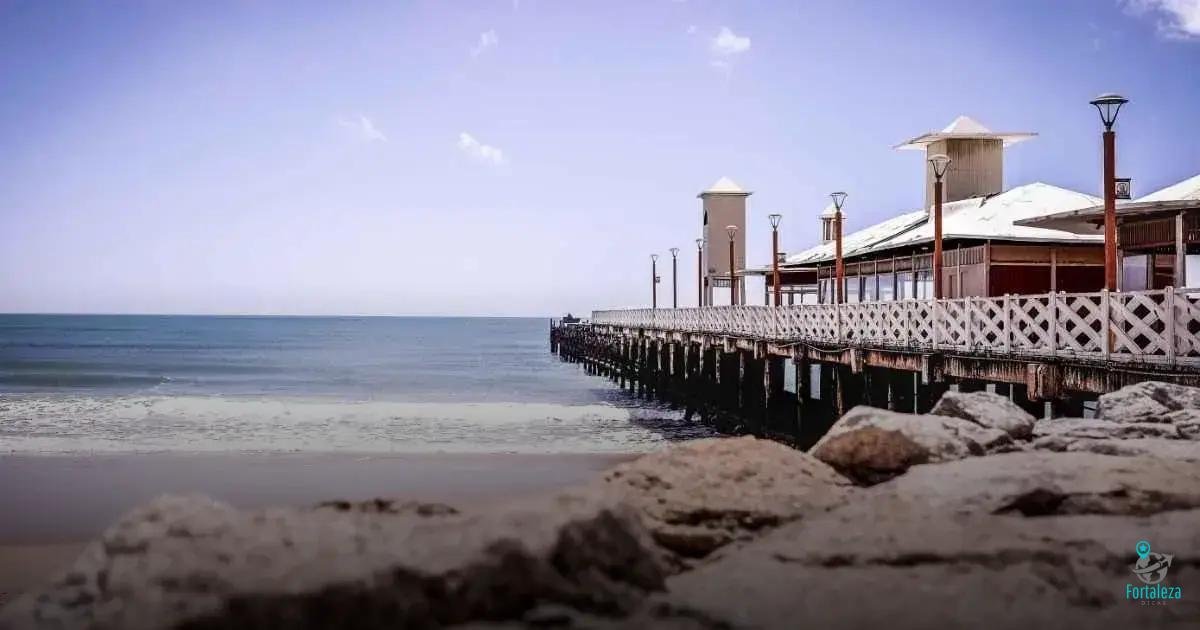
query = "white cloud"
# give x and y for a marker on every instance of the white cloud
(480, 151)
(1179, 19)
(487, 39)
(363, 128)
(727, 43)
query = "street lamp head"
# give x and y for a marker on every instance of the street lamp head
(731, 230)
(838, 199)
(674, 252)
(775, 218)
(1109, 105)
(699, 243)
(940, 163)
(653, 257)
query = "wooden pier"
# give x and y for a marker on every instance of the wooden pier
(728, 363)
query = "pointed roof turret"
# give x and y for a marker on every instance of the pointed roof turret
(725, 186)
(965, 128)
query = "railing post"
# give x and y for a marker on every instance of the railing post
(1053, 324)
(970, 332)
(1007, 316)
(937, 323)
(838, 311)
(908, 326)
(1106, 310)
(1169, 302)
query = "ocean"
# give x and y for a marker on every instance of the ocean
(143, 383)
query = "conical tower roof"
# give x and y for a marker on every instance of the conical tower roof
(724, 186)
(965, 128)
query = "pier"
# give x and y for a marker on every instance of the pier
(789, 371)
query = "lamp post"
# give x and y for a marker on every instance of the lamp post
(1109, 105)
(674, 277)
(731, 230)
(699, 272)
(653, 280)
(940, 163)
(839, 268)
(775, 218)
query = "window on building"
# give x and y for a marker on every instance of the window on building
(904, 285)
(870, 288)
(1192, 265)
(1135, 272)
(852, 292)
(924, 284)
(886, 290)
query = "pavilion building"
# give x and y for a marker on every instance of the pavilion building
(986, 251)
(1158, 236)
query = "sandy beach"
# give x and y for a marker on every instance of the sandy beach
(53, 504)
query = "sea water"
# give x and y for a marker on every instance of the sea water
(134, 383)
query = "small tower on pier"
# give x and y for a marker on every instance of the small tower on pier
(976, 158)
(723, 204)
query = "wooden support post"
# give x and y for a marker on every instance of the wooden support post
(740, 381)
(803, 392)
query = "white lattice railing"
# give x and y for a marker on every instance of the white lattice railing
(1144, 326)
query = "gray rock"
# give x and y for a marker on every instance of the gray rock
(1144, 447)
(1148, 401)
(1044, 483)
(987, 410)
(1020, 540)
(701, 495)
(1095, 428)
(202, 563)
(872, 445)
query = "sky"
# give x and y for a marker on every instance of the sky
(521, 157)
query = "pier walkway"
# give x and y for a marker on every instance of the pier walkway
(1052, 353)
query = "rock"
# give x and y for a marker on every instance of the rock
(1146, 447)
(890, 565)
(1042, 483)
(1148, 401)
(987, 410)
(200, 563)
(1014, 541)
(704, 494)
(872, 445)
(1106, 429)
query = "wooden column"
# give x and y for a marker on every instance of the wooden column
(803, 390)
(1180, 253)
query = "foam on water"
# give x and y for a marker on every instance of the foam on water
(80, 423)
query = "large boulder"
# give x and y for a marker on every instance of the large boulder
(987, 410)
(196, 562)
(1015, 541)
(701, 495)
(1149, 401)
(1130, 447)
(871, 445)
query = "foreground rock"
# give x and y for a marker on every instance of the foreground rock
(1018, 540)
(199, 563)
(987, 410)
(872, 445)
(702, 495)
(1150, 401)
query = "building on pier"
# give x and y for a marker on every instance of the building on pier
(1158, 236)
(987, 251)
(723, 204)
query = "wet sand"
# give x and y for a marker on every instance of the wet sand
(50, 505)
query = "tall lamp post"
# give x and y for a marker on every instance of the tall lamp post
(699, 272)
(1109, 105)
(775, 218)
(653, 280)
(940, 163)
(674, 277)
(840, 270)
(731, 230)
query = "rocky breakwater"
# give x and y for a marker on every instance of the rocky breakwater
(966, 517)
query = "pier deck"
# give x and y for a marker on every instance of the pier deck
(1060, 348)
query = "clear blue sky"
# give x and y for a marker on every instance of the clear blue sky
(520, 157)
